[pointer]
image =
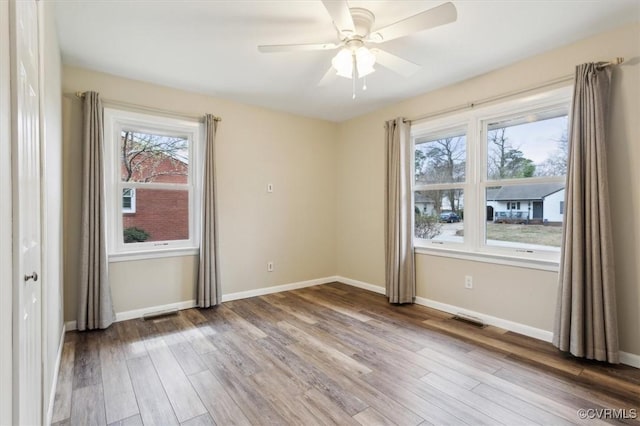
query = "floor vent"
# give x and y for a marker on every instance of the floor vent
(159, 314)
(468, 319)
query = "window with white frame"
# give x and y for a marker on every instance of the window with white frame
(151, 171)
(440, 159)
(128, 200)
(489, 181)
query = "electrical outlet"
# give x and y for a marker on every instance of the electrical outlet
(468, 282)
(269, 266)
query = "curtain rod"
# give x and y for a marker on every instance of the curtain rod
(563, 79)
(150, 109)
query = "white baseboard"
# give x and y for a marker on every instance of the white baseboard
(488, 319)
(630, 359)
(138, 313)
(54, 382)
(516, 327)
(277, 289)
(361, 284)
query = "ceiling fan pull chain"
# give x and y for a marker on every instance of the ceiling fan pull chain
(364, 83)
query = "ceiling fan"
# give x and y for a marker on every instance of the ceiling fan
(354, 25)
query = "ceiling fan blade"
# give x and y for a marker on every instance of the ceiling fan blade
(329, 77)
(395, 63)
(440, 15)
(270, 48)
(339, 12)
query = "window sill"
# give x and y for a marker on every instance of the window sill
(153, 254)
(500, 259)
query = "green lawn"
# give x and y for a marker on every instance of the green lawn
(530, 234)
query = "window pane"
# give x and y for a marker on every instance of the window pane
(153, 158)
(440, 159)
(127, 198)
(525, 216)
(160, 215)
(438, 215)
(529, 146)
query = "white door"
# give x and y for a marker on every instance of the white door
(27, 341)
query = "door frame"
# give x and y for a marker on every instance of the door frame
(6, 226)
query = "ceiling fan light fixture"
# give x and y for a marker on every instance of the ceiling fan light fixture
(343, 63)
(344, 60)
(365, 60)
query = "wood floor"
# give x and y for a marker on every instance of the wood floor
(330, 354)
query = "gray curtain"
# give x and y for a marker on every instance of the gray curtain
(399, 262)
(586, 315)
(208, 277)
(95, 309)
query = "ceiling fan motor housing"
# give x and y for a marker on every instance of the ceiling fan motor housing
(363, 20)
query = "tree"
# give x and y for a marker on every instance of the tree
(442, 161)
(145, 156)
(446, 160)
(505, 161)
(419, 159)
(556, 164)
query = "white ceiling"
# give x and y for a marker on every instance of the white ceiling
(210, 46)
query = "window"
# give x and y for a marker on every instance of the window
(128, 200)
(152, 180)
(490, 181)
(440, 175)
(526, 159)
(513, 205)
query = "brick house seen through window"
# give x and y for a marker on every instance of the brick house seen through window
(152, 181)
(154, 213)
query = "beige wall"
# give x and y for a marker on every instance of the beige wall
(157, 282)
(294, 226)
(524, 293)
(515, 294)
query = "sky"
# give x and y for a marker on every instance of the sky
(537, 140)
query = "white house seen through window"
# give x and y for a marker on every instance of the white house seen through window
(526, 168)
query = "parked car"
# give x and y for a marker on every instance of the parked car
(449, 217)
